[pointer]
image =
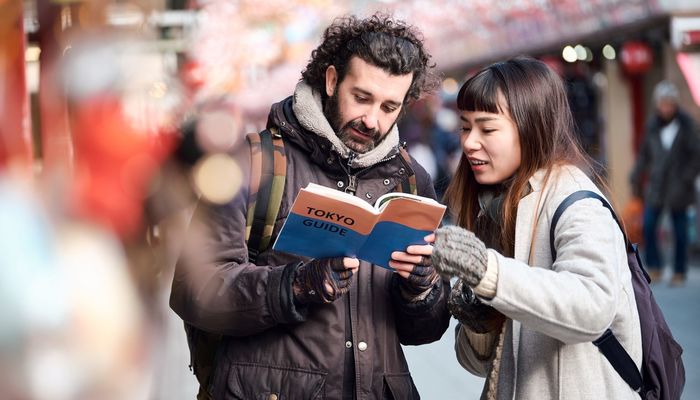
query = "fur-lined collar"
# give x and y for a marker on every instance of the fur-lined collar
(309, 112)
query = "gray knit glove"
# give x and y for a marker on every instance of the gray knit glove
(457, 252)
(471, 312)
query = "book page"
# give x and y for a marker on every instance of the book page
(404, 221)
(383, 200)
(338, 195)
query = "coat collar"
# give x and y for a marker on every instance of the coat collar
(309, 112)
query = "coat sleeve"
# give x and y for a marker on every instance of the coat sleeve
(575, 300)
(216, 288)
(693, 145)
(641, 164)
(427, 320)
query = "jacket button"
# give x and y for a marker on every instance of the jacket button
(272, 396)
(341, 184)
(348, 344)
(386, 182)
(362, 346)
(329, 160)
(368, 195)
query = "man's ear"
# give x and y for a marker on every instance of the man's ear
(331, 80)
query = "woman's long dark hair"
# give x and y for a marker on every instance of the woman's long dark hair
(536, 99)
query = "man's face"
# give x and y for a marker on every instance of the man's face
(666, 109)
(364, 107)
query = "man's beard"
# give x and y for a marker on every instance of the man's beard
(344, 133)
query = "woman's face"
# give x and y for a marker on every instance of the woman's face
(491, 144)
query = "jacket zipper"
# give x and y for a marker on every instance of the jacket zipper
(352, 178)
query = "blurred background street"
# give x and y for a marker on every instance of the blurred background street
(98, 179)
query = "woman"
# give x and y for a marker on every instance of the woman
(527, 321)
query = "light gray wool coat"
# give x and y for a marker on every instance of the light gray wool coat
(558, 309)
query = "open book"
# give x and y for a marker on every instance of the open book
(325, 222)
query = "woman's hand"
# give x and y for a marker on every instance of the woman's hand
(415, 266)
(457, 252)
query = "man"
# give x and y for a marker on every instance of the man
(670, 155)
(325, 328)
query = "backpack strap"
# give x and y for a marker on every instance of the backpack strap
(410, 185)
(607, 343)
(267, 178)
(572, 198)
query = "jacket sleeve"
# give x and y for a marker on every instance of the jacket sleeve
(426, 320)
(575, 300)
(641, 164)
(216, 288)
(693, 167)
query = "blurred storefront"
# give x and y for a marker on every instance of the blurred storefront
(611, 53)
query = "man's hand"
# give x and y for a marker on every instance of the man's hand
(416, 267)
(323, 280)
(459, 253)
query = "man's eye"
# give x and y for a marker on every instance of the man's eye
(389, 110)
(360, 99)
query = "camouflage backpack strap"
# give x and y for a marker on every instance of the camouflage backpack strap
(267, 177)
(407, 186)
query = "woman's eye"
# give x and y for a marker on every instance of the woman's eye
(466, 129)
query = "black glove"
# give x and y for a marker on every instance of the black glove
(471, 312)
(321, 281)
(422, 278)
(457, 252)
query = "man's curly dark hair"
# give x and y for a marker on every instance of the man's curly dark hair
(379, 40)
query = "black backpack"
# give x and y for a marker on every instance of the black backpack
(663, 374)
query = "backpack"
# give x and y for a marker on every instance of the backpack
(663, 374)
(267, 179)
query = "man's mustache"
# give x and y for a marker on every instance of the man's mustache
(360, 126)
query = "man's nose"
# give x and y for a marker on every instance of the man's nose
(370, 119)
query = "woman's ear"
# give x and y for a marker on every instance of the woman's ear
(331, 80)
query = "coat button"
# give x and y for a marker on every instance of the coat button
(386, 182)
(341, 184)
(272, 396)
(329, 161)
(362, 346)
(348, 344)
(368, 195)
(402, 171)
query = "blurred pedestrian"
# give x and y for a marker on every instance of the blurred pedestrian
(527, 321)
(669, 157)
(296, 328)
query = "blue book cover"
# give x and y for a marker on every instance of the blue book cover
(324, 222)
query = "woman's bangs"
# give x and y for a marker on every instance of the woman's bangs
(480, 93)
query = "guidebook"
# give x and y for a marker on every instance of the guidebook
(325, 222)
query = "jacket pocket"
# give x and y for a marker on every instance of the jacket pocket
(251, 381)
(400, 387)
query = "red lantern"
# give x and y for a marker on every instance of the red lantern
(636, 57)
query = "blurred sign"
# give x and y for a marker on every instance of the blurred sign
(636, 57)
(460, 32)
